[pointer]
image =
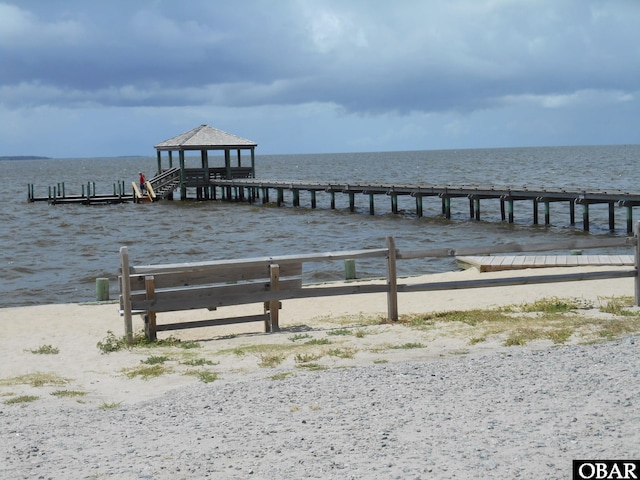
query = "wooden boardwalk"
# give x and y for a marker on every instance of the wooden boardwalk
(496, 263)
(210, 186)
(251, 189)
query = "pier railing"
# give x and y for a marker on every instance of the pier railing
(208, 292)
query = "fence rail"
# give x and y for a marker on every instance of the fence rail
(391, 286)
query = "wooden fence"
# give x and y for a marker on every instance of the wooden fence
(392, 255)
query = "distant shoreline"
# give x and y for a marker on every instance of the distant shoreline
(24, 157)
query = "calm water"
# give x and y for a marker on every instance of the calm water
(53, 254)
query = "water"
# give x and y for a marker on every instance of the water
(53, 254)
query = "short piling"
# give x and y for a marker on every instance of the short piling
(102, 289)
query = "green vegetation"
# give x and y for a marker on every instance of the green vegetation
(37, 379)
(271, 360)
(618, 306)
(147, 372)
(318, 341)
(21, 399)
(205, 376)
(108, 406)
(155, 360)
(68, 393)
(299, 336)
(280, 376)
(311, 366)
(342, 352)
(554, 305)
(307, 357)
(114, 343)
(553, 319)
(46, 350)
(408, 346)
(198, 362)
(342, 331)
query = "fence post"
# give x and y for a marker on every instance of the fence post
(637, 258)
(274, 305)
(392, 281)
(125, 288)
(150, 327)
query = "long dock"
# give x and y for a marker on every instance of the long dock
(252, 189)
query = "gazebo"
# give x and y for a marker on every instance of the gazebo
(205, 139)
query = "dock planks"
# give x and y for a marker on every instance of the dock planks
(497, 263)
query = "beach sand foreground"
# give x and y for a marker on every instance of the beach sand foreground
(369, 409)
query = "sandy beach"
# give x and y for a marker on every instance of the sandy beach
(338, 393)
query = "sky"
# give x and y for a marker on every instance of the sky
(114, 77)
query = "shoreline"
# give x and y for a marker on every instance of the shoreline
(76, 329)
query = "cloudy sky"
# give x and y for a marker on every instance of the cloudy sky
(114, 77)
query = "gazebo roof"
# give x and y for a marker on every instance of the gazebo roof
(205, 137)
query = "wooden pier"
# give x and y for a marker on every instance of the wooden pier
(57, 194)
(212, 185)
(252, 189)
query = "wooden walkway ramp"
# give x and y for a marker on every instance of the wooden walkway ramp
(496, 263)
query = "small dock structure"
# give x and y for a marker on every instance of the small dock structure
(495, 263)
(57, 194)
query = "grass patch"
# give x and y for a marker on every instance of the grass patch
(618, 306)
(306, 357)
(469, 317)
(380, 361)
(620, 327)
(360, 333)
(555, 305)
(271, 360)
(342, 352)
(113, 343)
(311, 366)
(341, 331)
(46, 350)
(68, 393)
(109, 406)
(280, 376)
(145, 373)
(155, 360)
(408, 346)
(37, 379)
(554, 319)
(205, 376)
(299, 336)
(318, 341)
(259, 349)
(199, 362)
(21, 399)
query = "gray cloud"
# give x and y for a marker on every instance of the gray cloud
(363, 57)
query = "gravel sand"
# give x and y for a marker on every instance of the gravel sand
(516, 414)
